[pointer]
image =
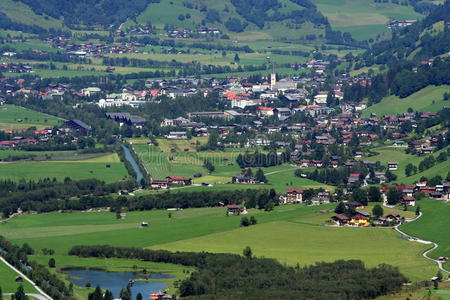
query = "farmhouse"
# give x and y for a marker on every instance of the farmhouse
(340, 220)
(359, 220)
(234, 209)
(392, 166)
(321, 198)
(126, 118)
(241, 179)
(159, 184)
(179, 180)
(78, 126)
(160, 296)
(354, 205)
(293, 196)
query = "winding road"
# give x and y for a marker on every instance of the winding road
(418, 240)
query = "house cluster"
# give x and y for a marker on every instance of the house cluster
(70, 131)
(400, 24)
(94, 49)
(179, 32)
(438, 192)
(361, 218)
(15, 68)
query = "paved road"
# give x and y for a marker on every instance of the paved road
(425, 254)
(36, 296)
(42, 295)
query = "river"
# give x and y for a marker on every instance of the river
(134, 164)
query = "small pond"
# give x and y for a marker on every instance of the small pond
(115, 281)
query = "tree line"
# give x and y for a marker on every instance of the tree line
(226, 276)
(47, 194)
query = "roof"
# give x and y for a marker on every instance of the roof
(298, 191)
(81, 124)
(233, 206)
(177, 178)
(340, 218)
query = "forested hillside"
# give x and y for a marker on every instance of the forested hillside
(282, 19)
(412, 60)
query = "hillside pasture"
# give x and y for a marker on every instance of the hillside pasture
(364, 18)
(429, 99)
(387, 154)
(16, 118)
(432, 226)
(21, 13)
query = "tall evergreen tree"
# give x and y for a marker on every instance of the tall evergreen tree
(260, 176)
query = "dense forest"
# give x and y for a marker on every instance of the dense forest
(89, 12)
(230, 276)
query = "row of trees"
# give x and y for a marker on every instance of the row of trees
(225, 276)
(49, 194)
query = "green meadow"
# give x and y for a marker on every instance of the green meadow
(107, 168)
(21, 13)
(429, 99)
(363, 18)
(433, 226)
(170, 158)
(291, 233)
(15, 118)
(8, 281)
(389, 153)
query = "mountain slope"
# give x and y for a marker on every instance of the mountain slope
(23, 14)
(364, 18)
(263, 19)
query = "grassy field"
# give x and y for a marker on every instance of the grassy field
(433, 226)
(161, 162)
(21, 13)
(8, 281)
(15, 118)
(291, 233)
(426, 100)
(387, 154)
(363, 18)
(412, 293)
(93, 167)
